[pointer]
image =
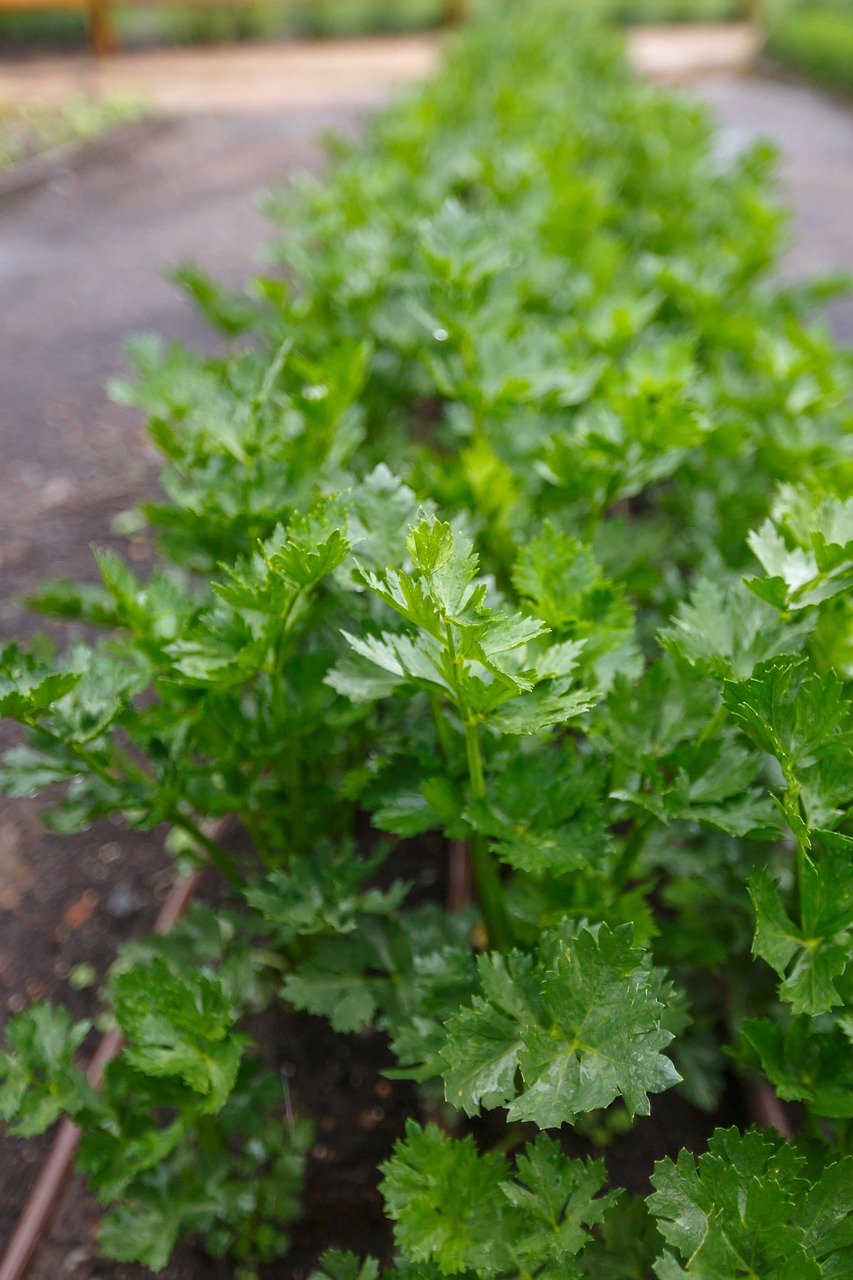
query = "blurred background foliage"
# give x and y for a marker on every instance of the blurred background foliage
(813, 38)
(198, 23)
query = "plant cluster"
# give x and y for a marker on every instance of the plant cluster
(519, 511)
(814, 39)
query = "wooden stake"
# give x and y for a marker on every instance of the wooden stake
(102, 27)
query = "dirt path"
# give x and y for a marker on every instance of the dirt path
(81, 263)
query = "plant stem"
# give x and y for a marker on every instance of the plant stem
(92, 763)
(631, 851)
(220, 858)
(441, 727)
(794, 818)
(475, 762)
(122, 761)
(292, 774)
(490, 891)
(258, 839)
(715, 723)
(132, 770)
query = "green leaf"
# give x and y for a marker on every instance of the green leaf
(827, 1213)
(542, 708)
(804, 1063)
(788, 572)
(460, 647)
(484, 1041)
(556, 1201)
(335, 983)
(430, 545)
(28, 689)
(625, 1245)
(804, 719)
(444, 1199)
(322, 894)
(777, 938)
(822, 946)
(380, 510)
(230, 312)
(309, 549)
(820, 563)
(750, 1208)
(723, 630)
(545, 816)
(408, 973)
(38, 1079)
(180, 1027)
(461, 1211)
(566, 588)
(336, 1265)
(147, 1230)
(581, 1020)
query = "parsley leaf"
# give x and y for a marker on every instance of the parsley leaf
(461, 1211)
(581, 1020)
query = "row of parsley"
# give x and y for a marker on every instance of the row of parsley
(457, 536)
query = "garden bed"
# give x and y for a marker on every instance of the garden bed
(513, 534)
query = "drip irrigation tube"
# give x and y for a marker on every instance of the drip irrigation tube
(44, 1197)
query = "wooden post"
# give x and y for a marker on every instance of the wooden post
(104, 38)
(452, 12)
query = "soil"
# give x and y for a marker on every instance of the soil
(80, 265)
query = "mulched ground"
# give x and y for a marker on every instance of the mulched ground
(79, 267)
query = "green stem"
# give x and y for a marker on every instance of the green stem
(92, 763)
(715, 723)
(794, 816)
(487, 880)
(132, 769)
(220, 858)
(441, 727)
(631, 851)
(292, 774)
(284, 630)
(258, 839)
(490, 891)
(122, 761)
